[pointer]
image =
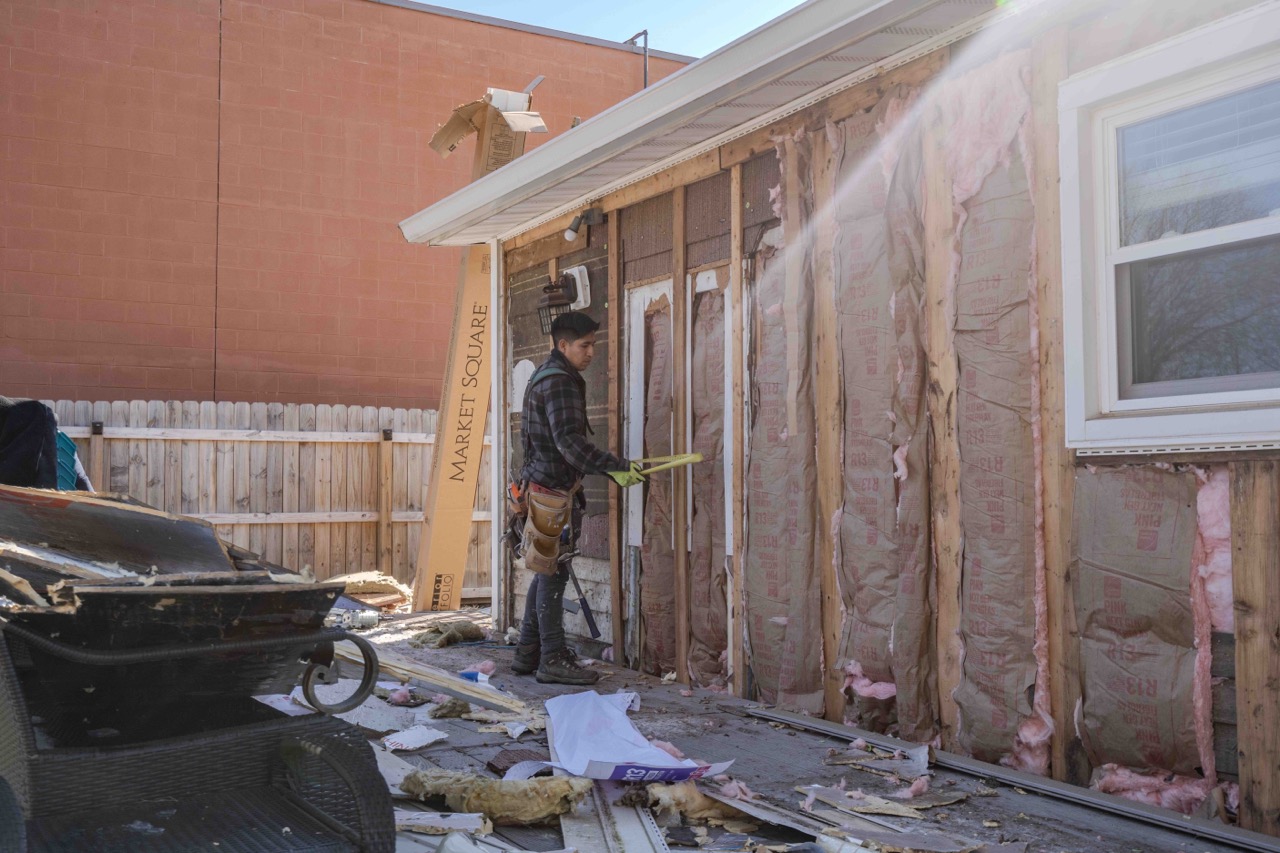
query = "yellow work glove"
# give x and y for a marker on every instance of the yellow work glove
(630, 477)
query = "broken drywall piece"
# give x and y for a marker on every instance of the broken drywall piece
(393, 769)
(441, 823)
(413, 738)
(857, 802)
(503, 801)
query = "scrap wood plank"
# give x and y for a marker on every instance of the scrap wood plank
(406, 669)
(1255, 545)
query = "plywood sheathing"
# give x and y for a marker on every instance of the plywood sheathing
(886, 640)
(1255, 538)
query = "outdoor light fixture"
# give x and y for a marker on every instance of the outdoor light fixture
(557, 298)
(590, 216)
(570, 292)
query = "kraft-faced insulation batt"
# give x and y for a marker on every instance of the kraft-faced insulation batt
(782, 586)
(657, 556)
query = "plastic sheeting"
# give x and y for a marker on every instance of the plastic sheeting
(1132, 549)
(708, 610)
(781, 578)
(883, 527)
(657, 555)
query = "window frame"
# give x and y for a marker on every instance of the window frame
(1237, 53)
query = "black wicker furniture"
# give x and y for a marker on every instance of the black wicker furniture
(230, 775)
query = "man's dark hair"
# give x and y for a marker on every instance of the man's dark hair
(571, 326)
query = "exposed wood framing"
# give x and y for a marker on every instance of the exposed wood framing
(679, 416)
(1255, 545)
(545, 249)
(689, 172)
(614, 319)
(1058, 482)
(830, 433)
(944, 446)
(837, 108)
(737, 403)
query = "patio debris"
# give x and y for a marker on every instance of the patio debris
(503, 801)
(374, 715)
(592, 736)
(908, 767)
(376, 589)
(450, 708)
(406, 697)
(671, 802)
(393, 769)
(505, 759)
(441, 823)
(413, 739)
(448, 633)
(406, 669)
(918, 842)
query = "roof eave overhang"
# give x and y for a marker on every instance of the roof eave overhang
(801, 36)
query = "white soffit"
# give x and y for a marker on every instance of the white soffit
(789, 63)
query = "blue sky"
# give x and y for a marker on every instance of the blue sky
(692, 27)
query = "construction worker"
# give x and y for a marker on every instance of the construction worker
(557, 455)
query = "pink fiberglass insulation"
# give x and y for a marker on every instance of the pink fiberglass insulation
(1213, 517)
(657, 556)
(781, 575)
(856, 683)
(669, 748)
(1133, 546)
(1211, 598)
(915, 789)
(708, 605)
(1155, 788)
(883, 543)
(1002, 696)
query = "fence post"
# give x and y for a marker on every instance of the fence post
(384, 502)
(95, 456)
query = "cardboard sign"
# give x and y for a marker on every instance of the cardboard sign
(464, 403)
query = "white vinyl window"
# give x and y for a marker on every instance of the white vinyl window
(1170, 162)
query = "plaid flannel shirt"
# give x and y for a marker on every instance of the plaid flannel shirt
(557, 452)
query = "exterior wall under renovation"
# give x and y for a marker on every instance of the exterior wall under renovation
(919, 553)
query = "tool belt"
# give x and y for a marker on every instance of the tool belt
(547, 513)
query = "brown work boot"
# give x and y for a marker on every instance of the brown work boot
(526, 660)
(561, 667)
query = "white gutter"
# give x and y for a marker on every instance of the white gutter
(788, 43)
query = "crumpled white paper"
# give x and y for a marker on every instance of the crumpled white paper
(592, 736)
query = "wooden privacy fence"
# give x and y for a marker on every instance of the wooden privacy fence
(337, 488)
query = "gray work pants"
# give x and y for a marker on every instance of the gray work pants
(543, 623)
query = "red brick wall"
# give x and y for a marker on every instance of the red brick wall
(159, 244)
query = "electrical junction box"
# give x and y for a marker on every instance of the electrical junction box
(583, 287)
